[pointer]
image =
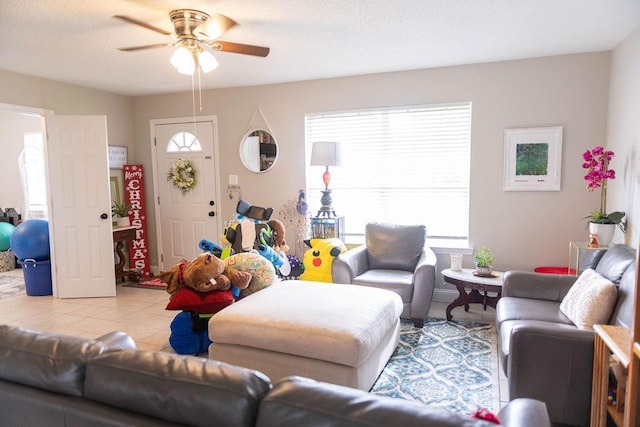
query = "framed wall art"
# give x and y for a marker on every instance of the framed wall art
(532, 159)
(115, 189)
(117, 156)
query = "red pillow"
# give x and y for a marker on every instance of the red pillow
(187, 299)
(485, 414)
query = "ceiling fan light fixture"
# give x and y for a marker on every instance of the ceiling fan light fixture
(207, 61)
(182, 59)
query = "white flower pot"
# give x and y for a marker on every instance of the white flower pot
(603, 231)
(484, 271)
(123, 221)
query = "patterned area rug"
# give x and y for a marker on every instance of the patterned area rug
(11, 286)
(147, 284)
(451, 365)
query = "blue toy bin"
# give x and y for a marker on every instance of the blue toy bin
(37, 277)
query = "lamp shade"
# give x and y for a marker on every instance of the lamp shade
(207, 61)
(182, 59)
(325, 153)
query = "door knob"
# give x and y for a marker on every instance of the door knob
(104, 216)
(212, 213)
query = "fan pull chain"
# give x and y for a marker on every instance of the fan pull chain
(200, 88)
(193, 103)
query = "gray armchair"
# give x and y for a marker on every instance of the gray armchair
(396, 258)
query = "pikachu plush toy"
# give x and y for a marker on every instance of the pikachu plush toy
(318, 259)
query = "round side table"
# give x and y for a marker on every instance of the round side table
(478, 286)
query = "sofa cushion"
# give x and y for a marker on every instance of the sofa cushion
(623, 311)
(298, 401)
(398, 281)
(51, 362)
(615, 262)
(182, 389)
(512, 308)
(590, 300)
(393, 246)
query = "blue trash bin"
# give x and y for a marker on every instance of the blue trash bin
(37, 277)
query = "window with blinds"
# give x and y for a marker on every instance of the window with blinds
(31, 162)
(399, 165)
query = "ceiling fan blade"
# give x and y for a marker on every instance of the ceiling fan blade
(143, 24)
(148, 46)
(244, 49)
(216, 26)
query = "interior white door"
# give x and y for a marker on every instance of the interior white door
(82, 256)
(186, 218)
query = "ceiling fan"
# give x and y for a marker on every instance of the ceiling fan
(195, 33)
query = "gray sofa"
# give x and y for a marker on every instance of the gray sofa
(394, 257)
(543, 354)
(49, 380)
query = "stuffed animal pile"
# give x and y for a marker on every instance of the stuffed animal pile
(253, 231)
(206, 285)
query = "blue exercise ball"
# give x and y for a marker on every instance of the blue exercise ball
(30, 240)
(6, 230)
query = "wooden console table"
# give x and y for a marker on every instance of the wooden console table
(478, 285)
(120, 236)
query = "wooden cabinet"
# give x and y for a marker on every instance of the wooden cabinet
(621, 346)
(612, 347)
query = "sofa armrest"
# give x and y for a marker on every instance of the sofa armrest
(525, 284)
(525, 413)
(552, 363)
(349, 264)
(424, 281)
(117, 341)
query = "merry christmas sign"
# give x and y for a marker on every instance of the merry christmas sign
(134, 197)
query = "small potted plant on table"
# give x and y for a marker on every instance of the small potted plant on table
(120, 210)
(484, 262)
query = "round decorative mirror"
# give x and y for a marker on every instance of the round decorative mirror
(258, 150)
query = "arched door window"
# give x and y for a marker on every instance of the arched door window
(183, 141)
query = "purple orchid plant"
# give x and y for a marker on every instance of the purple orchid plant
(596, 161)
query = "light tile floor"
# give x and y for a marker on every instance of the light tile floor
(141, 313)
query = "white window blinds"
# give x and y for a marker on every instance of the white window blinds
(399, 164)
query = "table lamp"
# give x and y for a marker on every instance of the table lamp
(325, 154)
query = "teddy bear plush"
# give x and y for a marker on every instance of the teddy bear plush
(204, 274)
(279, 244)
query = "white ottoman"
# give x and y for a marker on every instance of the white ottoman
(342, 334)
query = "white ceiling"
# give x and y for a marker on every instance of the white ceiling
(76, 41)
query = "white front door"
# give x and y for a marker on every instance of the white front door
(183, 219)
(82, 258)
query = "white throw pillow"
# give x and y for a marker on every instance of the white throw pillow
(590, 300)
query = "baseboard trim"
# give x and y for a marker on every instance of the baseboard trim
(444, 295)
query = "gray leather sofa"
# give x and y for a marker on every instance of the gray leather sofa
(49, 380)
(395, 257)
(543, 354)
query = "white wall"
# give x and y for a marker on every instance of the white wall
(623, 136)
(67, 99)
(524, 229)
